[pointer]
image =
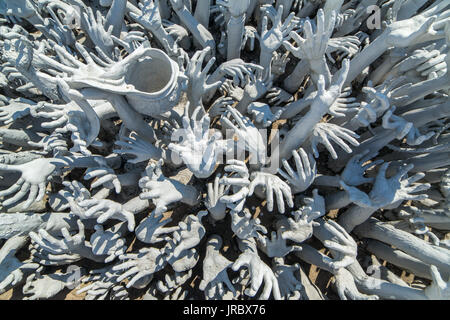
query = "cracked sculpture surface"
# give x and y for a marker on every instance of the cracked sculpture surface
(223, 149)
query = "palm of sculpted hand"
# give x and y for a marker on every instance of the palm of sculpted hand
(161, 190)
(140, 265)
(276, 246)
(190, 233)
(272, 185)
(105, 209)
(107, 243)
(244, 226)
(150, 229)
(246, 132)
(16, 109)
(272, 39)
(392, 191)
(18, 52)
(405, 32)
(199, 150)
(305, 173)
(34, 176)
(259, 272)
(355, 169)
(314, 46)
(197, 84)
(43, 287)
(300, 228)
(287, 281)
(215, 267)
(346, 287)
(137, 147)
(11, 268)
(343, 247)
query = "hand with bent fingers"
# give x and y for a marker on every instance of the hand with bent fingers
(46, 258)
(305, 173)
(69, 244)
(272, 39)
(45, 286)
(131, 41)
(103, 281)
(346, 287)
(75, 192)
(315, 205)
(228, 88)
(12, 269)
(279, 63)
(393, 122)
(249, 136)
(34, 177)
(288, 279)
(172, 281)
(199, 149)
(57, 113)
(239, 185)
(299, 228)
(353, 174)
(15, 109)
(342, 246)
(105, 209)
(244, 226)
(53, 144)
(238, 70)
(278, 96)
(392, 191)
(219, 106)
(216, 207)
(215, 268)
(276, 246)
(150, 229)
(272, 184)
(137, 147)
(107, 243)
(259, 272)
(141, 266)
(343, 104)
(189, 233)
(150, 17)
(198, 77)
(161, 190)
(66, 118)
(404, 128)
(262, 114)
(323, 132)
(250, 35)
(378, 103)
(348, 46)
(104, 174)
